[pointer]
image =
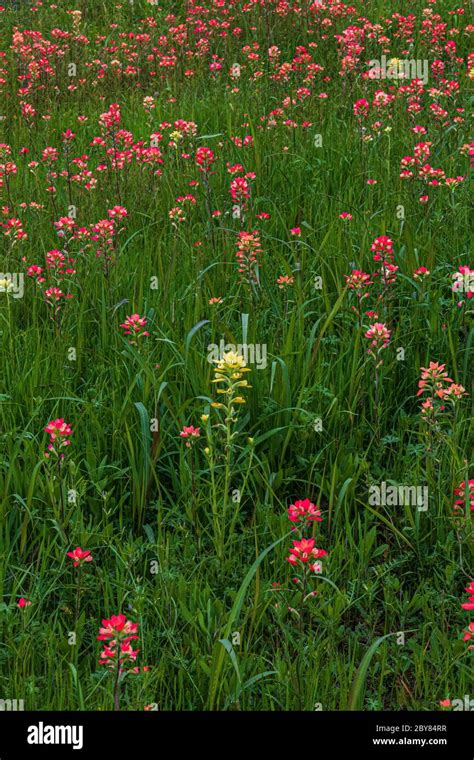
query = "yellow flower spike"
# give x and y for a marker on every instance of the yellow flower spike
(204, 418)
(230, 362)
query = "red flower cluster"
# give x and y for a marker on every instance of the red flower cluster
(58, 431)
(190, 433)
(304, 553)
(304, 511)
(469, 633)
(118, 653)
(465, 492)
(205, 159)
(379, 336)
(133, 326)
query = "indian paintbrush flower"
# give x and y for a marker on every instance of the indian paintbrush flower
(79, 556)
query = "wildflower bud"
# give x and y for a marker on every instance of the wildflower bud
(204, 418)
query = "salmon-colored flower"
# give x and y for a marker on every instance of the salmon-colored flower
(379, 336)
(191, 433)
(433, 375)
(284, 280)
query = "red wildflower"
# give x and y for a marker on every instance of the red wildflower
(304, 511)
(79, 556)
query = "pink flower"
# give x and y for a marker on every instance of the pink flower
(470, 604)
(464, 493)
(118, 627)
(382, 248)
(190, 432)
(205, 159)
(125, 653)
(295, 231)
(303, 551)
(58, 431)
(379, 335)
(133, 326)
(23, 603)
(240, 190)
(359, 281)
(463, 283)
(79, 556)
(361, 107)
(68, 135)
(118, 654)
(36, 272)
(469, 634)
(421, 273)
(304, 511)
(249, 250)
(433, 375)
(54, 297)
(110, 118)
(117, 212)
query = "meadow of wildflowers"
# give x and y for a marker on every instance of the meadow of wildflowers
(237, 351)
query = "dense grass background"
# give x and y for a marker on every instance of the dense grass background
(144, 501)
